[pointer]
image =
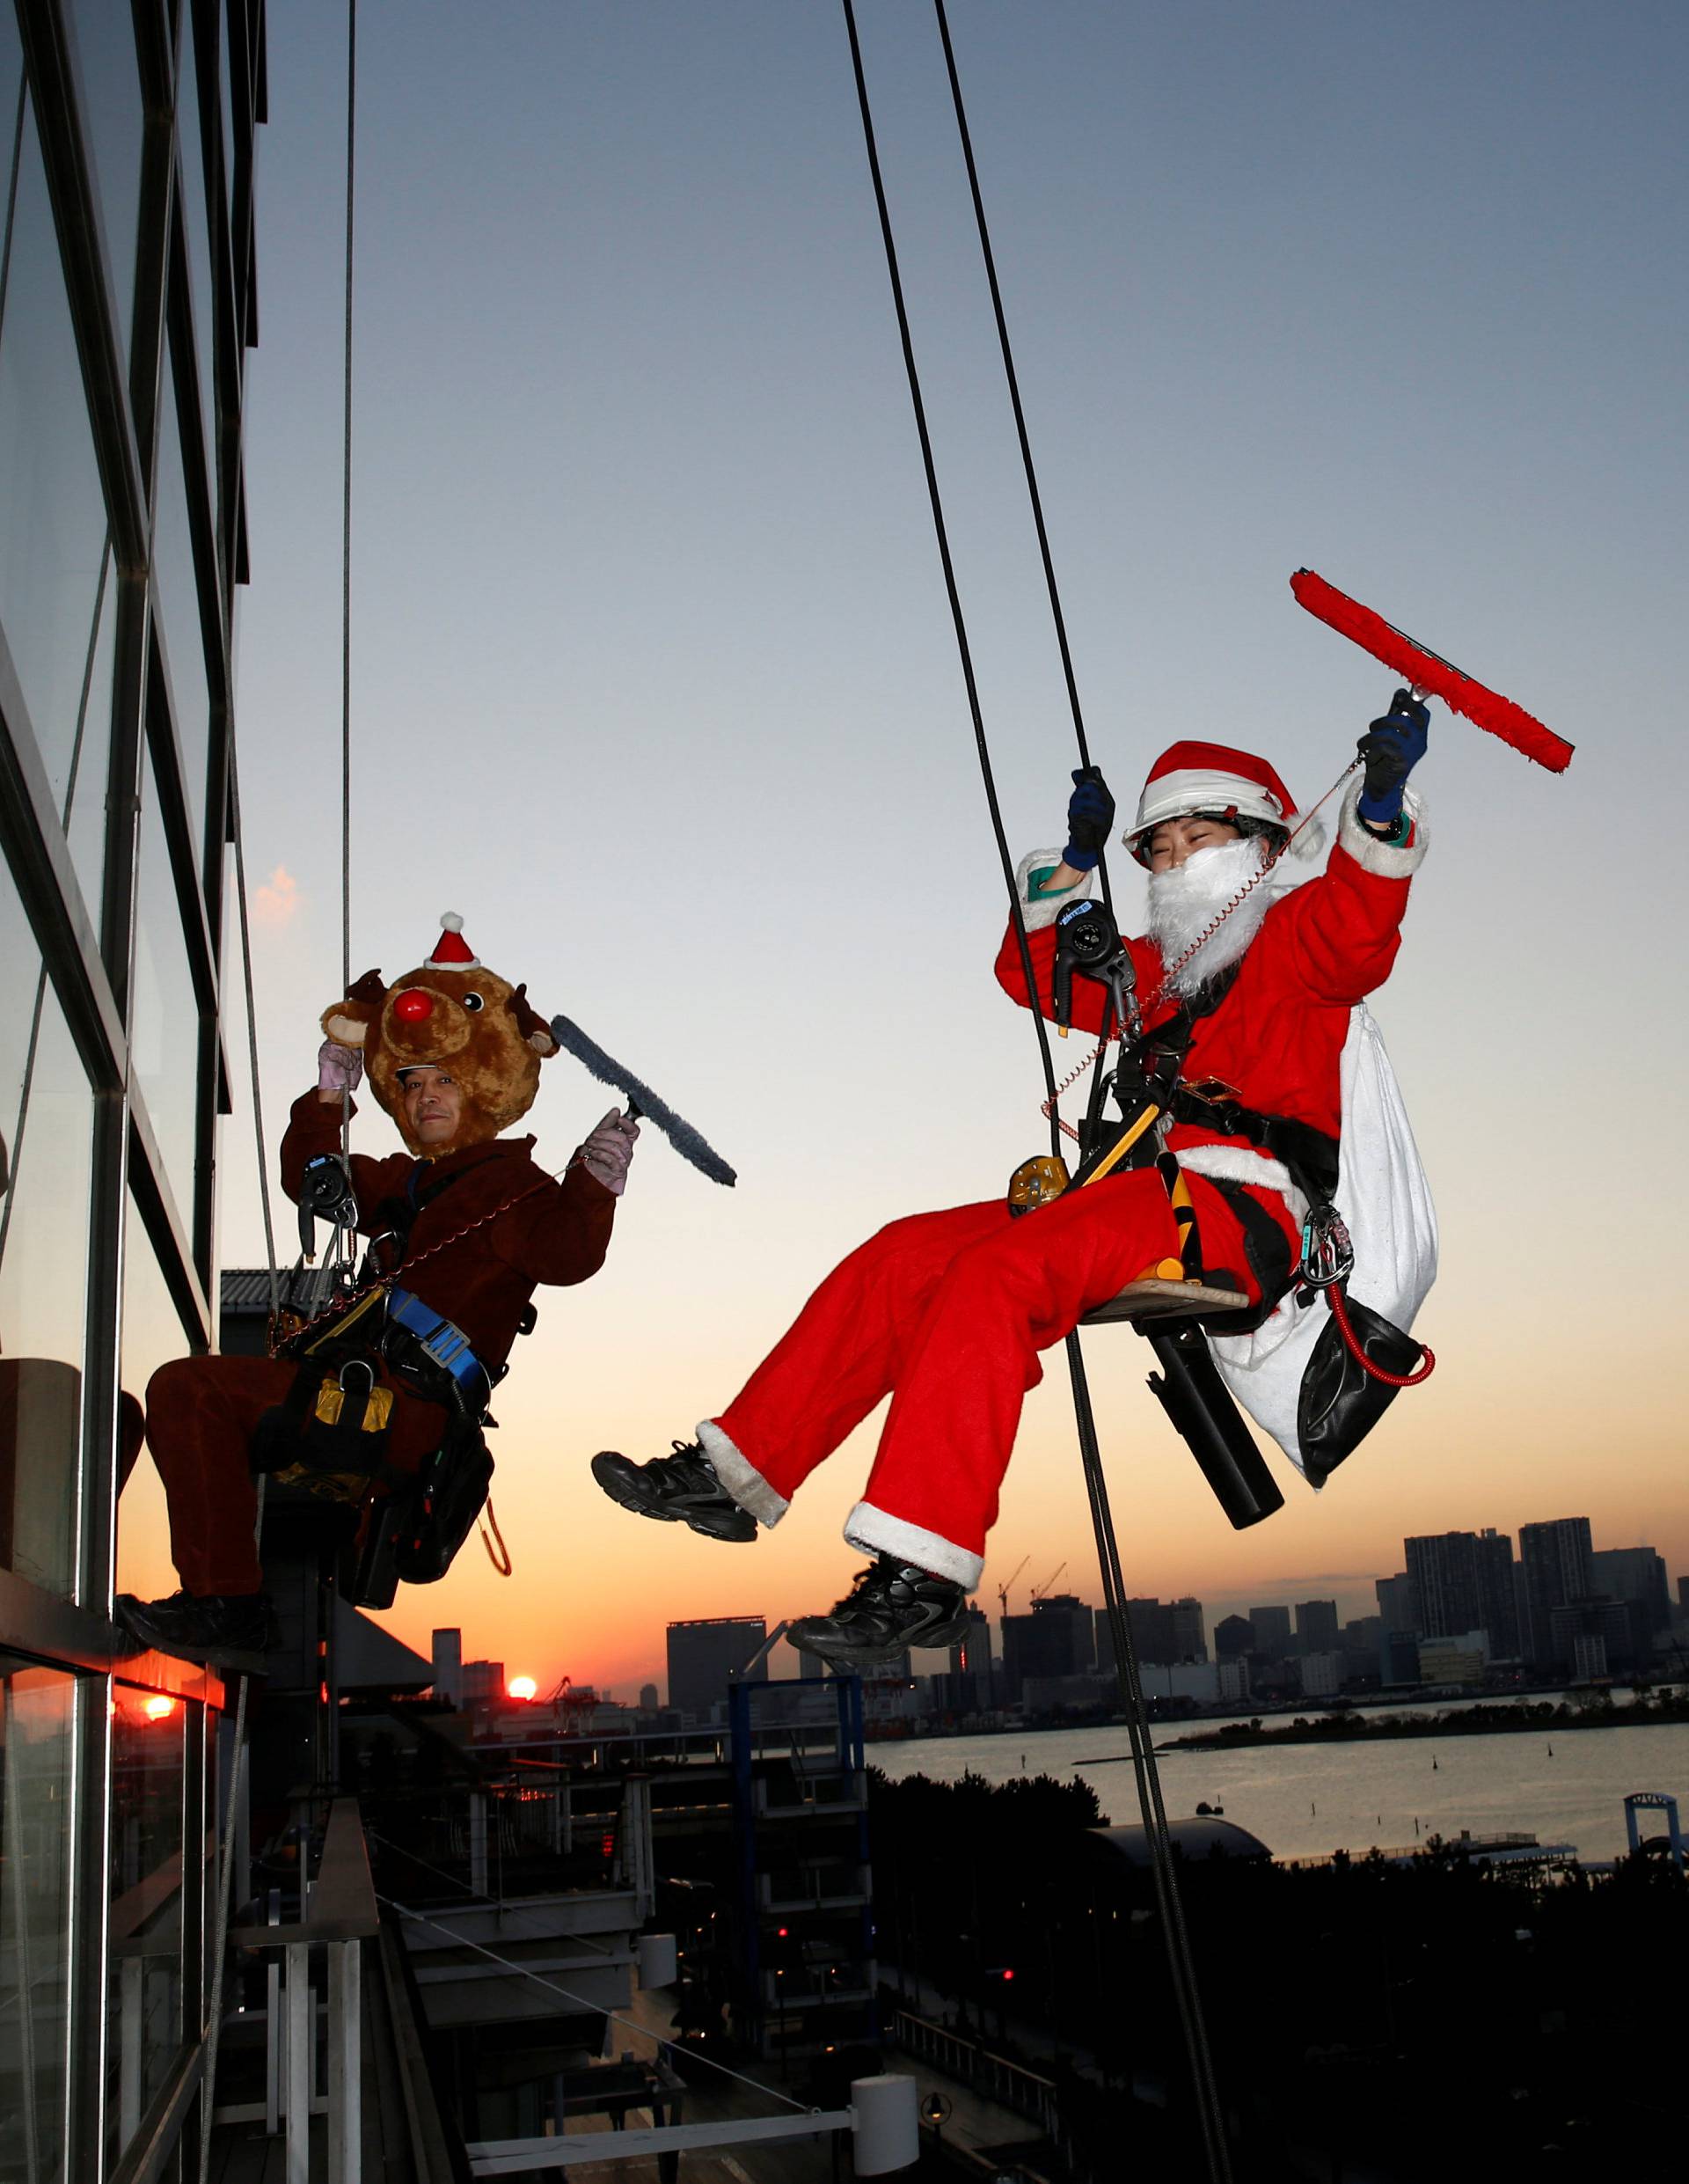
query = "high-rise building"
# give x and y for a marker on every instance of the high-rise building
(1621, 1626)
(1190, 1638)
(1317, 1629)
(1233, 1637)
(1634, 1573)
(968, 1688)
(1555, 1569)
(1464, 1581)
(1152, 1630)
(1398, 1609)
(1272, 1630)
(129, 312)
(1058, 1639)
(1162, 1632)
(448, 1667)
(1498, 1594)
(648, 1698)
(482, 1680)
(704, 1657)
(1443, 1570)
(1361, 1639)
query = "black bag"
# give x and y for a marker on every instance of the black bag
(1340, 1401)
(437, 1509)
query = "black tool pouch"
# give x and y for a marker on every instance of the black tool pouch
(328, 1438)
(438, 1508)
(1340, 1401)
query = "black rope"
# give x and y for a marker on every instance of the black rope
(346, 505)
(1144, 1765)
(954, 595)
(1014, 379)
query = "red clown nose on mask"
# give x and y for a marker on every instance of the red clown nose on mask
(413, 1006)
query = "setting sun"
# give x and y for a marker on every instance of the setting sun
(522, 1687)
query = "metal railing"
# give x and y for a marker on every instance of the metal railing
(341, 1914)
(1011, 2084)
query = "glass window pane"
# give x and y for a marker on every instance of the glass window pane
(164, 1014)
(37, 1734)
(11, 77)
(172, 562)
(112, 125)
(150, 1731)
(152, 1335)
(52, 515)
(47, 1121)
(195, 202)
(85, 788)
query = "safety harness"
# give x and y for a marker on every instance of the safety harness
(328, 1437)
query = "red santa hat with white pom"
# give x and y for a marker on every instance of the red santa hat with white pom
(451, 951)
(1220, 783)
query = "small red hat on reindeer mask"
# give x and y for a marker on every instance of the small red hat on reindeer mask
(454, 1014)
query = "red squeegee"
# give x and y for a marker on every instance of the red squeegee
(1429, 671)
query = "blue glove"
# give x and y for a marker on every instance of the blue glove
(1090, 818)
(1392, 748)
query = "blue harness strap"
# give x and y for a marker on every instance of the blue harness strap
(443, 1341)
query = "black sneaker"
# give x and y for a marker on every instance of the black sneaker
(680, 1489)
(891, 1607)
(203, 1627)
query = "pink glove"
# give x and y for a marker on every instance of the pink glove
(609, 1149)
(338, 1068)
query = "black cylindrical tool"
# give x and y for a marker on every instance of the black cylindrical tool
(1190, 1389)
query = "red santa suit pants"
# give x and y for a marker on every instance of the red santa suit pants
(947, 1312)
(200, 1417)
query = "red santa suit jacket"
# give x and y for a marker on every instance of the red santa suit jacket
(1277, 1038)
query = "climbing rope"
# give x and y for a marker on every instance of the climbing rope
(1180, 1968)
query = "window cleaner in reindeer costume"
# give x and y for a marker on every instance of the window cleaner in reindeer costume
(947, 1312)
(463, 1226)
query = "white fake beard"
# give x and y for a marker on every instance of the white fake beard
(1184, 902)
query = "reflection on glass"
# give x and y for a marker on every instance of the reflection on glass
(164, 1014)
(47, 1121)
(195, 200)
(83, 808)
(149, 1730)
(152, 1335)
(112, 120)
(52, 515)
(172, 562)
(37, 1722)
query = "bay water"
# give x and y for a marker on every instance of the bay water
(1563, 1785)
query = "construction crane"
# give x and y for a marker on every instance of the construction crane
(1003, 1589)
(1039, 1591)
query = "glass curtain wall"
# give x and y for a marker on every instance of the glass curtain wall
(126, 311)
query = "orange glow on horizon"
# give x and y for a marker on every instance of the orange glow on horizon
(522, 1687)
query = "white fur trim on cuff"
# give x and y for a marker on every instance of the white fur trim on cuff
(1040, 910)
(877, 1532)
(1237, 1163)
(1369, 852)
(740, 1476)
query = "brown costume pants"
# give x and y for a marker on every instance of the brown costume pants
(200, 1416)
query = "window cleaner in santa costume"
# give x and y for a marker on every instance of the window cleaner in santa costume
(464, 1226)
(947, 1312)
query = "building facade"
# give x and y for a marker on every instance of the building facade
(706, 1656)
(1555, 1569)
(126, 312)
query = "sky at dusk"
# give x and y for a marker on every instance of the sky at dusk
(654, 680)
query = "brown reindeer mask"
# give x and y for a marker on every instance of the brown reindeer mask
(453, 1013)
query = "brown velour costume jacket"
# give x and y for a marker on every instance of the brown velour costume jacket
(557, 1234)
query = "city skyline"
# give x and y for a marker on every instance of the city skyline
(781, 1664)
